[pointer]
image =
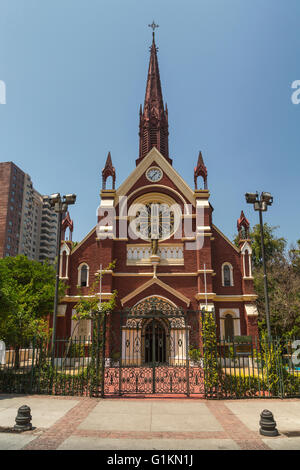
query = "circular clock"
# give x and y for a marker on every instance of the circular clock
(154, 174)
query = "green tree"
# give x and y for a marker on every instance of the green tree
(283, 272)
(274, 246)
(26, 298)
(294, 254)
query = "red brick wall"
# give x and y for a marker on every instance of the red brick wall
(213, 254)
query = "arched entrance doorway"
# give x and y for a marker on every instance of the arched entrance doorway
(155, 333)
(155, 342)
(154, 351)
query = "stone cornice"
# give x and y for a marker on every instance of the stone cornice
(76, 298)
(227, 298)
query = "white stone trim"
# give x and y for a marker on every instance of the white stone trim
(74, 324)
(247, 248)
(107, 203)
(235, 313)
(169, 254)
(231, 274)
(251, 310)
(79, 274)
(64, 249)
(61, 310)
(208, 308)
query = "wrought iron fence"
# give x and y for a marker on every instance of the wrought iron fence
(72, 367)
(259, 368)
(235, 368)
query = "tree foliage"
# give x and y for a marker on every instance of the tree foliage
(27, 290)
(283, 274)
(274, 247)
(88, 307)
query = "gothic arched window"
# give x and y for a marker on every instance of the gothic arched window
(83, 275)
(227, 275)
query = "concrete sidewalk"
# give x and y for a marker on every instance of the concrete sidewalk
(156, 424)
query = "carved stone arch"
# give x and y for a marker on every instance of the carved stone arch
(158, 306)
(166, 343)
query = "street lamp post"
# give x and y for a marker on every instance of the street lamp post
(261, 204)
(60, 206)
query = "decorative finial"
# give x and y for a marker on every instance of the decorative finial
(153, 25)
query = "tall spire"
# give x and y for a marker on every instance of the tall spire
(108, 170)
(153, 118)
(200, 170)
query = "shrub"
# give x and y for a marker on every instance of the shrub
(76, 350)
(195, 354)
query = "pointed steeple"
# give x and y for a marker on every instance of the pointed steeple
(243, 227)
(153, 118)
(200, 170)
(67, 223)
(108, 170)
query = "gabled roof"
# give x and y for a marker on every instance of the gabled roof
(84, 239)
(225, 238)
(65, 247)
(155, 156)
(161, 284)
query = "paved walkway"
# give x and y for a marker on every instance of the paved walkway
(155, 424)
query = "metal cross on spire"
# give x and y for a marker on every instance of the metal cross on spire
(153, 26)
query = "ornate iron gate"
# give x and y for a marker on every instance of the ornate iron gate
(152, 354)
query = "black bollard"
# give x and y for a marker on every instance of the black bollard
(23, 419)
(267, 424)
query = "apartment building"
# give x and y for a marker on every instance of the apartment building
(11, 201)
(27, 223)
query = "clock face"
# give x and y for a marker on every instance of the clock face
(154, 174)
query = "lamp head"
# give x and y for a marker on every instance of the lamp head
(70, 199)
(54, 199)
(251, 198)
(267, 198)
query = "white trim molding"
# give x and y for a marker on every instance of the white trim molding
(87, 274)
(251, 310)
(235, 313)
(246, 250)
(230, 272)
(83, 328)
(64, 249)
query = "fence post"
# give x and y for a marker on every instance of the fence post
(153, 355)
(97, 352)
(32, 365)
(187, 360)
(278, 356)
(103, 356)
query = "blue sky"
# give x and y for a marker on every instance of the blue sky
(75, 72)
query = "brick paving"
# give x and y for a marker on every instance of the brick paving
(235, 429)
(72, 424)
(64, 427)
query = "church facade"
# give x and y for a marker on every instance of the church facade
(166, 248)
